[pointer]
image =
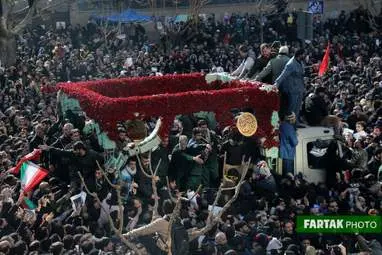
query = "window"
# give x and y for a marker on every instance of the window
(316, 151)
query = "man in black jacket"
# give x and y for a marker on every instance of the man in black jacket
(38, 138)
(316, 107)
(81, 160)
(260, 63)
(66, 138)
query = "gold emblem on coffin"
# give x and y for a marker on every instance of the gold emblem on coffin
(247, 124)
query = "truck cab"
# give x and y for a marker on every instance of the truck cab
(308, 160)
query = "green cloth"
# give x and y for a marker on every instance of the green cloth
(194, 181)
(198, 173)
(180, 167)
(212, 167)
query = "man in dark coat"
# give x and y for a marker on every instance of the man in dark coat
(291, 82)
(81, 160)
(275, 66)
(261, 62)
(38, 138)
(197, 148)
(181, 163)
(66, 137)
(316, 107)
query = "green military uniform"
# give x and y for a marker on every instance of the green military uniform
(211, 175)
(180, 167)
(197, 174)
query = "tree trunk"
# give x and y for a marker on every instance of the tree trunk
(7, 50)
(7, 41)
(261, 28)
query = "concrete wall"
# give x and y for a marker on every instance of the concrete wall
(331, 9)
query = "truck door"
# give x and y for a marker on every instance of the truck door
(310, 153)
(314, 161)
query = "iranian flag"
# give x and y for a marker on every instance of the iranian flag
(31, 175)
(28, 204)
(34, 155)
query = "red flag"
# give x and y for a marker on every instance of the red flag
(325, 62)
(34, 155)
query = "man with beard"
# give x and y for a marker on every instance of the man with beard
(291, 82)
(38, 138)
(261, 62)
(65, 138)
(80, 160)
(197, 149)
(211, 164)
(180, 163)
(275, 66)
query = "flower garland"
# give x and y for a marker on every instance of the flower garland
(110, 101)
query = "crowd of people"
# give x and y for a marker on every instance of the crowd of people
(262, 219)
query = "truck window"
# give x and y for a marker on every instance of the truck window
(316, 151)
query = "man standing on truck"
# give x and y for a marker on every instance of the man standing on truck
(288, 143)
(291, 82)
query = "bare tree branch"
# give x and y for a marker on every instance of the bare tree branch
(217, 198)
(141, 167)
(110, 220)
(106, 177)
(26, 20)
(154, 178)
(157, 168)
(175, 216)
(213, 220)
(119, 197)
(155, 190)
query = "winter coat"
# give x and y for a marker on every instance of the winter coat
(274, 67)
(359, 159)
(291, 79)
(259, 65)
(317, 110)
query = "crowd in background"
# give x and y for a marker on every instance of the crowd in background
(262, 220)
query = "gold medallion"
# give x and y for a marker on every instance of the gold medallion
(247, 124)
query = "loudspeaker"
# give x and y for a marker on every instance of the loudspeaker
(305, 25)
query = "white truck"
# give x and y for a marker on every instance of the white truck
(306, 162)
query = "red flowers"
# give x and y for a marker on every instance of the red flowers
(110, 101)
